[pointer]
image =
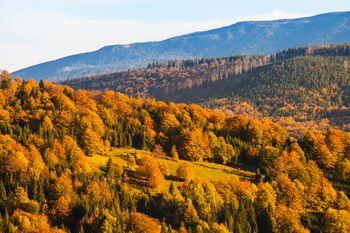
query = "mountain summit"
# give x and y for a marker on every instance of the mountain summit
(251, 37)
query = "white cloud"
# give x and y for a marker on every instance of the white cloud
(38, 38)
(277, 14)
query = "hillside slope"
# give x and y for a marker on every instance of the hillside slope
(89, 161)
(306, 88)
(308, 83)
(262, 37)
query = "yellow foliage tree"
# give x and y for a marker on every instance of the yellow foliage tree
(197, 146)
(27, 223)
(149, 170)
(141, 223)
(337, 221)
(184, 171)
(288, 220)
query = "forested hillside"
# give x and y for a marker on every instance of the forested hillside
(307, 83)
(307, 88)
(164, 80)
(91, 161)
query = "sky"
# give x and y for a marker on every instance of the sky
(35, 31)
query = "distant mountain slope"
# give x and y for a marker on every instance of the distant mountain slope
(308, 87)
(262, 37)
(308, 83)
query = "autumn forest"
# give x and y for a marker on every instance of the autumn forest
(101, 161)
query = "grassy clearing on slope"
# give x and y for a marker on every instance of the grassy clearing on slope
(202, 170)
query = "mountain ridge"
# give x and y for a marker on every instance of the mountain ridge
(248, 37)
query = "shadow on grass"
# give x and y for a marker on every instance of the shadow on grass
(173, 178)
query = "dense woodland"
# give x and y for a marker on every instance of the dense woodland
(307, 88)
(163, 80)
(307, 83)
(59, 173)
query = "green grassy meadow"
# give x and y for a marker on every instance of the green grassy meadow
(204, 171)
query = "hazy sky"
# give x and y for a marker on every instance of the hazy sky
(34, 31)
